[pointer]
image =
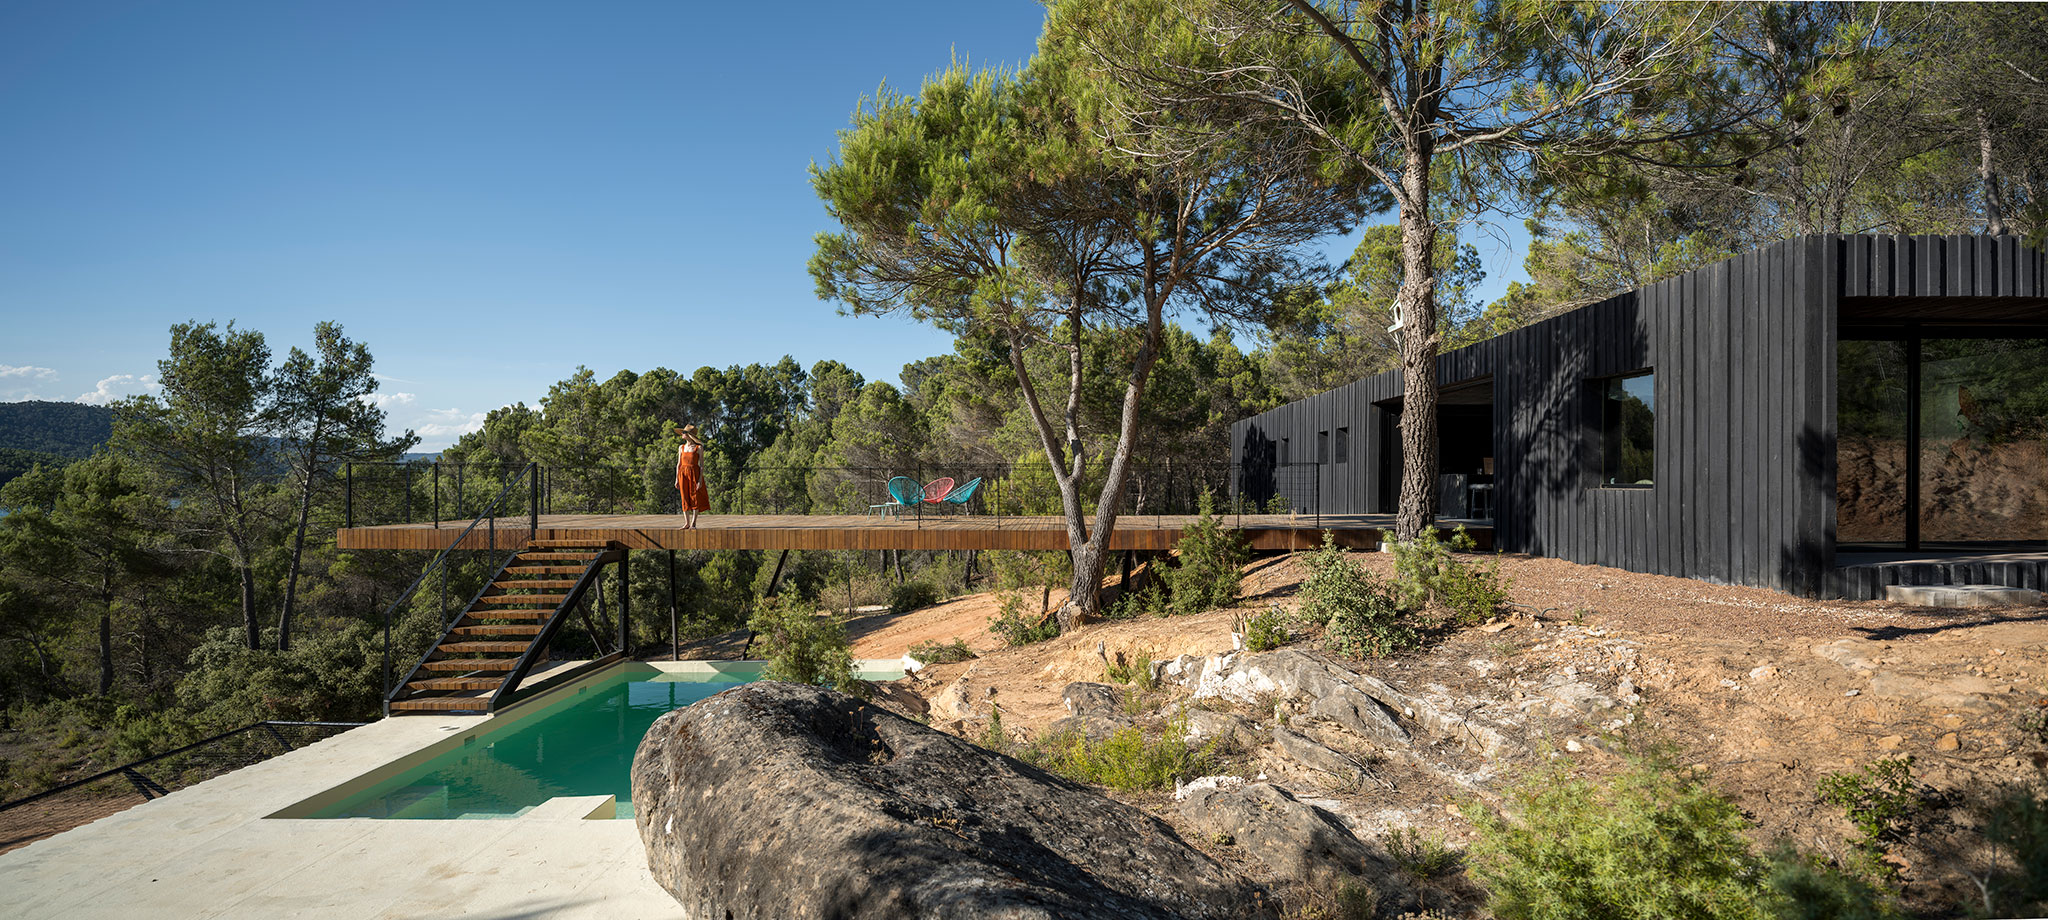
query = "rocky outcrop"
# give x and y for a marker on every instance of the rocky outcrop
(1362, 704)
(778, 800)
(1299, 842)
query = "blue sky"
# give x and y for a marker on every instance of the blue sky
(487, 194)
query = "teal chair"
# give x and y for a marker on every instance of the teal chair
(905, 491)
(961, 495)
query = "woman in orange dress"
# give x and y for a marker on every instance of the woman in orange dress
(690, 476)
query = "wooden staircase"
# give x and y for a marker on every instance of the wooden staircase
(504, 632)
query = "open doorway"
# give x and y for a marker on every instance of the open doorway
(1465, 461)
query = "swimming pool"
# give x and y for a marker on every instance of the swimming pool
(579, 743)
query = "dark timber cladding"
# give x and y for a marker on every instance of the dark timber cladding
(1744, 357)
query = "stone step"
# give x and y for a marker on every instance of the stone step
(1962, 595)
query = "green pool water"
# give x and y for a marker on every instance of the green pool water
(583, 746)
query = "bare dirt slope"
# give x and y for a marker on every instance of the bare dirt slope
(1765, 691)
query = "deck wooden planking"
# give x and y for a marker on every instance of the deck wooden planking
(863, 532)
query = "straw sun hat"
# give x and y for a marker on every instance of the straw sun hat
(688, 431)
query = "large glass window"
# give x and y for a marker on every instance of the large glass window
(1343, 445)
(1941, 441)
(1628, 428)
(1870, 442)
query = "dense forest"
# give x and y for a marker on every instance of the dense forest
(1124, 278)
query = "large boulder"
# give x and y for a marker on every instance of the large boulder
(1298, 841)
(779, 800)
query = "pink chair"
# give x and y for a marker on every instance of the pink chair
(935, 491)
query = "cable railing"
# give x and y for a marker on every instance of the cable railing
(67, 805)
(444, 494)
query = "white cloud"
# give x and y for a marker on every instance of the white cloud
(24, 382)
(440, 423)
(119, 386)
(387, 400)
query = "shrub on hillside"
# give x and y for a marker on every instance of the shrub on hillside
(1653, 841)
(1125, 760)
(1015, 630)
(1426, 570)
(802, 647)
(1361, 613)
(1264, 632)
(1208, 567)
(932, 651)
(912, 595)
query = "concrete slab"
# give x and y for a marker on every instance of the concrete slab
(210, 851)
(1962, 595)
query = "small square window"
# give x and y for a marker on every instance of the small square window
(1343, 445)
(1628, 428)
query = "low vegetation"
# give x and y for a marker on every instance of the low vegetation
(932, 651)
(1265, 631)
(1881, 800)
(1127, 759)
(1652, 841)
(802, 647)
(1364, 615)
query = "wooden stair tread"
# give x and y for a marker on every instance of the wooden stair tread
(535, 583)
(551, 600)
(472, 617)
(458, 683)
(544, 570)
(501, 629)
(481, 646)
(580, 557)
(442, 704)
(567, 544)
(470, 664)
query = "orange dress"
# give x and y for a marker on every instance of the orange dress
(690, 478)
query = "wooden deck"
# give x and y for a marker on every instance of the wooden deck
(767, 532)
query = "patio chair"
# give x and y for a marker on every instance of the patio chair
(959, 497)
(935, 490)
(905, 492)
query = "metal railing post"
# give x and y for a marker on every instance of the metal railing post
(625, 604)
(532, 502)
(437, 495)
(408, 494)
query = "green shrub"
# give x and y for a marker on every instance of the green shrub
(1264, 632)
(1426, 570)
(1137, 673)
(1209, 566)
(912, 595)
(804, 648)
(1653, 841)
(932, 651)
(1125, 760)
(1361, 613)
(1015, 630)
(1881, 800)
(2015, 822)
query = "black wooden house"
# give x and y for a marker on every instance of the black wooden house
(1821, 416)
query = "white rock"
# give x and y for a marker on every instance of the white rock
(911, 665)
(1182, 790)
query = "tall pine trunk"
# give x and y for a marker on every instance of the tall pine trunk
(291, 581)
(1417, 299)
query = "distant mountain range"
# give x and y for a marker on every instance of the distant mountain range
(56, 433)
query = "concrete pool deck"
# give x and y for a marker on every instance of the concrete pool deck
(209, 850)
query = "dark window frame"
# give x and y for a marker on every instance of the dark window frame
(1323, 446)
(1343, 448)
(1603, 419)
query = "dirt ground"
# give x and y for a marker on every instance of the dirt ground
(1765, 691)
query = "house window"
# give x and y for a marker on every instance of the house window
(1628, 425)
(1322, 447)
(1283, 451)
(1343, 445)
